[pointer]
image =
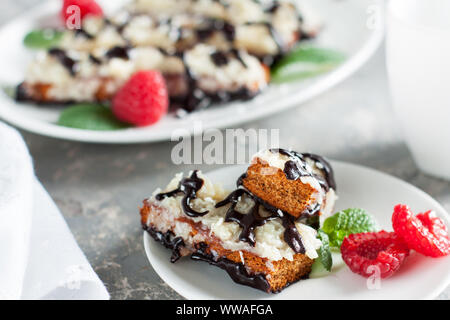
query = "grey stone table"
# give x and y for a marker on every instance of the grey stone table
(99, 187)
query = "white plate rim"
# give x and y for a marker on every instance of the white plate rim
(442, 213)
(134, 135)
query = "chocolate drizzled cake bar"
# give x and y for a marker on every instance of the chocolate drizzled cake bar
(209, 51)
(263, 234)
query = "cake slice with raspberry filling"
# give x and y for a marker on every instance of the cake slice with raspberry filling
(257, 242)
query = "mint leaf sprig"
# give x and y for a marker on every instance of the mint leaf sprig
(42, 38)
(325, 257)
(305, 62)
(90, 116)
(346, 222)
(339, 226)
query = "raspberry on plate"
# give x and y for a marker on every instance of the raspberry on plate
(374, 252)
(87, 7)
(426, 233)
(143, 100)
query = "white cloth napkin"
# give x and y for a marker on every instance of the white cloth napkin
(39, 258)
(16, 187)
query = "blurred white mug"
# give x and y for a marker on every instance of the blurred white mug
(418, 62)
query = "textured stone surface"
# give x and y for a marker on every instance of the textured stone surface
(99, 187)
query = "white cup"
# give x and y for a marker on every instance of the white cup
(418, 62)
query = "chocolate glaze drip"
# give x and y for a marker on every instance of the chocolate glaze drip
(189, 187)
(291, 234)
(200, 99)
(84, 33)
(168, 240)
(197, 98)
(21, 93)
(214, 25)
(94, 60)
(326, 168)
(273, 7)
(219, 58)
(65, 60)
(250, 221)
(236, 53)
(236, 271)
(118, 52)
(296, 169)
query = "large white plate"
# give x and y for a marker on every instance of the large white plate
(419, 278)
(346, 29)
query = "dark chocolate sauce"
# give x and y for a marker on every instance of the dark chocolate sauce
(219, 58)
(273, 7)
(83, 33)
(21, 93)
(229, 31)
(200, 99)
(118, 52)
(236, 271)
(94, 60)
(250, 221)
(325, 166)
(196, 98)
(216, 25)
(169, 241)
(291, 234)
(189, 187)
(296, 169)
(237, 54)
(65, 60)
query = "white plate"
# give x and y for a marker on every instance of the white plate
(419, 278)
(346, 29)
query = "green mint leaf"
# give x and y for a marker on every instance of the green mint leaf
(324, 252)
(346, 222)
(305, 62)
(90, 117)
(42, 39)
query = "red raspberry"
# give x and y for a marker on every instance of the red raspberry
(367, 252)
(425, 233)
(143, 99)
(87, 7)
